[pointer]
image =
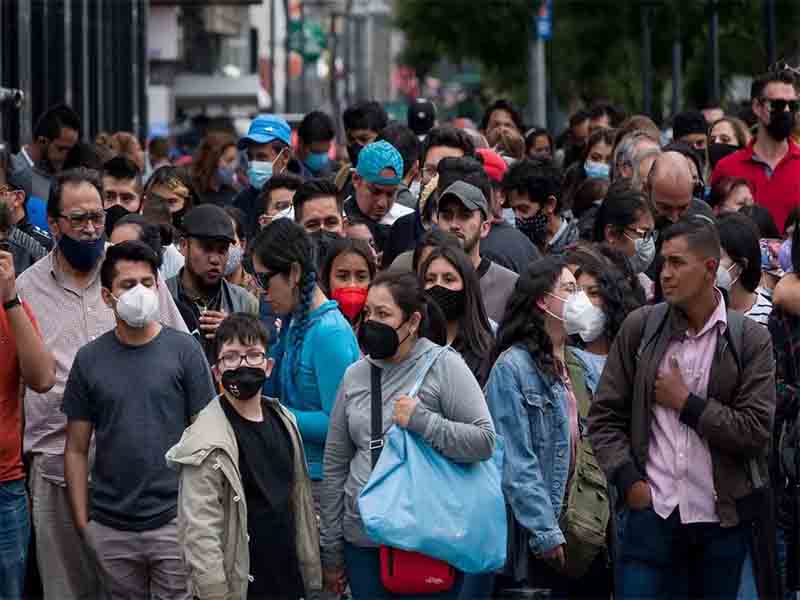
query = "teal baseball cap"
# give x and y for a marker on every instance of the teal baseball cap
(266, 128)
(376, 157)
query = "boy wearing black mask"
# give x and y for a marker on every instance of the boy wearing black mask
(770, 163)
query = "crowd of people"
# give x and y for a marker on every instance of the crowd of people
(198, 351)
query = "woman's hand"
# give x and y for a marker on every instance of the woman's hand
(404, 407)
(334, 580)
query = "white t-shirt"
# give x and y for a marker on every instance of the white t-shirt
(762, 307)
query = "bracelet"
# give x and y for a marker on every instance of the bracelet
(15, 301)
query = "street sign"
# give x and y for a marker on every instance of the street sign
(544, 19)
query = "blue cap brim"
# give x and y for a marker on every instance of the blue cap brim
(256, 139)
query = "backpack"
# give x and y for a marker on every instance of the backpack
(587, 510)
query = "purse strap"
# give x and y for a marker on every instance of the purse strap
(376, 409)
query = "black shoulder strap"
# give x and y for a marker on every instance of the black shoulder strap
(376, 410)
(735, 331)
(652, 325)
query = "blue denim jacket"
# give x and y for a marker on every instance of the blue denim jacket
(530, 412)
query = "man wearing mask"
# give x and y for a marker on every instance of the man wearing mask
(268, 149)
(691, 128)
(533, 190)
(376, 182)
(670, 188)
(131, 526)
(63, 289)
(54, 135)
(684, 449)
(199, 289)
(315, 135)
(362, 124)
(771, 162)
(122, 184)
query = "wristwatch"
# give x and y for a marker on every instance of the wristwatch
(15, 301)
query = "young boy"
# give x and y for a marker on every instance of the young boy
(245, 490)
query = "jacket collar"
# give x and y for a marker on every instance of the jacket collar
(678, 322)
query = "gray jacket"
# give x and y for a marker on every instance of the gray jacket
(234, 298)
(212, 513)
(452, 416)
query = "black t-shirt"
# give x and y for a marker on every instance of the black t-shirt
(140, 399)
(509, 247)
(266, 464)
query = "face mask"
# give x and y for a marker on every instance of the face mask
(452, 302)
(780, 125)
(138, 306)
(259, 172)
(717, 151)
(509, 217)
(353, 151)
(235, 255)
(415, 188)
(351, 301)
(724, 279)
(583, 318)
(226, 176)
(177, 219)
(378, 340)
(645, 253)
(662, 223)
(535, 228)
(114, 214)
(244, 383)
(322, 240)
(82, 254)
(596, 170)
(317, 161)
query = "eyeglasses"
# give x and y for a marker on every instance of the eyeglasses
(263, 279)
(81, 220)
(232, 360)
(779, 105)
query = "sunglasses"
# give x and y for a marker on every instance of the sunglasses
(779, 105)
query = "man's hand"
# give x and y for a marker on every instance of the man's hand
(8, 286)
(334, 580)
(639, 496)
(671, 391)
(556, 556)
(210, 320)
(403, 409)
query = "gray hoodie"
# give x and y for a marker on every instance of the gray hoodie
(452, 416)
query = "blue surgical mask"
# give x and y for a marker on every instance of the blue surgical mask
(226, 175)
(317, 161)
(596, 170)
(259, 172)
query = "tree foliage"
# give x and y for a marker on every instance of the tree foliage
(596, 46)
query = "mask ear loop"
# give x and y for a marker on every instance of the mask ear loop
(562, 319)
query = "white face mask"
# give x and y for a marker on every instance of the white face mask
(415, 188)
(583, 318)
(138, 306)
(724, 279)
(645, 253)
(235, 256)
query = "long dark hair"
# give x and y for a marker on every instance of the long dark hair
(523, 321)
(280, 245)
(474, 330)
(410, 297)
(346, 246)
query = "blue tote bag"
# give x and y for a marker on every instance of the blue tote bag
(416, 499)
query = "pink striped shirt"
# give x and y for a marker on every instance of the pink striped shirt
(679, 468)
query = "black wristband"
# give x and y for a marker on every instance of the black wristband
(15, 301)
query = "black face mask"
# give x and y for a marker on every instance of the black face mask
(243, 383)
(378, 340)
(535, 228)
(452, 302)
(114, 214)
(662, 222)
(780, 125)
(177, 219)
(717, 151)
(322, 241)
(353, 150)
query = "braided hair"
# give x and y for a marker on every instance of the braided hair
(278, 247)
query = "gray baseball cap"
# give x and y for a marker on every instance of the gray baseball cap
(469, 195)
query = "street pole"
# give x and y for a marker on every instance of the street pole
(769, 28)
(537, 78)
(713, 40)
(272, 62)
(677, 70)
(647, 61)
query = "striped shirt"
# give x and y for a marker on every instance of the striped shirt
(762, 307)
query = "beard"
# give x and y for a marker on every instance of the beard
(470, 243)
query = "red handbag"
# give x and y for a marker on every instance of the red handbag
(405, 572)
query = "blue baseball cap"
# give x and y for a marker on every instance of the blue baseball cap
(376, 157)
(266, 128)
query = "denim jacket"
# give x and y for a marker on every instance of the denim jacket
(530, 412)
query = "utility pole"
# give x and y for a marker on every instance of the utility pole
(713, 44)
(647, 60)
(540, 30)
(769, 28)
(677, 68)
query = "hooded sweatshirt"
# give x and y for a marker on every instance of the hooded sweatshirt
(452, 416)
(308, 389)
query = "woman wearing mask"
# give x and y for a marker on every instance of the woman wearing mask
(213, 169)
(595, 163)
(730, 195)
(315, 349)
(450, 280)
(739, 271)
(534, 401)
(726, 136)
(234, 269)
(626, 223)
(348, 270)
(449, 413)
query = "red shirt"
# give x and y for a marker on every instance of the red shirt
(10, 401)
(778, 191)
